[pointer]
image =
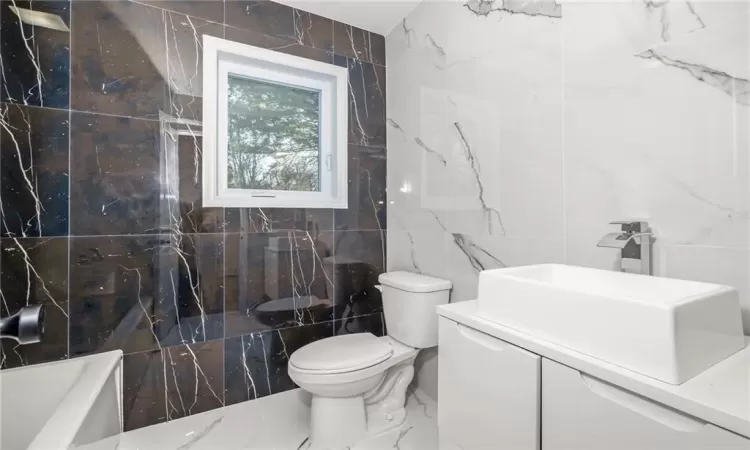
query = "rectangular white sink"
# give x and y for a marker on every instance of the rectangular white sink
(664, 328)
(61, 405)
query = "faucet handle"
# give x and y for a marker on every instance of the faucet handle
(632, 226)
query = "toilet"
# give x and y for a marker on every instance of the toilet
(358, 381)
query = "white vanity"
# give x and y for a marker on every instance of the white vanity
(564, 358)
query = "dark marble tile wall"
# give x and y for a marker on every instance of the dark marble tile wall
(101, 213)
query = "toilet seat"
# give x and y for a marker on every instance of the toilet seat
(341, 354)
(398, 353)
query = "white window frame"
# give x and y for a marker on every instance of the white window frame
(222, 58)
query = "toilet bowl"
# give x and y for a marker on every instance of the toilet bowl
(358, 381)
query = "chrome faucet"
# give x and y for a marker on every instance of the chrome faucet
(634, 242)
(25, 327)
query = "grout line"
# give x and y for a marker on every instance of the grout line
(90, 236)
(326, 322)
(224, 372)
(273, 233)
(71, 110)
(333, 275)
(216, 234)
(70, 175)
(333, 41)
(562, 147)
(224, 22)
(224, 313)
(173, 11)
(223, 340)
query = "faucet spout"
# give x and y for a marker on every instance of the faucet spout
(615, 240)
(634, 243)
(25, 327)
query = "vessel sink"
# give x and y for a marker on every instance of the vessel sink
(667, 329)
(62, 404)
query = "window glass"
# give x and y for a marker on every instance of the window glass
(274, 137)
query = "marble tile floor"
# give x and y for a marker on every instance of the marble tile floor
(276, 422)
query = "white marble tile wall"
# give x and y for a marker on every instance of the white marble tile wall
(518, 130)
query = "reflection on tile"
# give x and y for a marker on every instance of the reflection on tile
(114, 294)
(313, 30)
(186, 211)
(212, 10)
(283, 45)
(35, 60)
(358, 43)
(191, 289)
(266, 220)
(256, 364)
(35, 271)
(349, 324)
(367, 190)
(358, 260)
(377, 49)
(277, 280)
(175, 382)
(269, 18)
(34, 144)
(194, 378)
(115, 175)
(119, 65)
(101, 208)
(366, 103)
(142, 293)
(183, 70)
(144, 393)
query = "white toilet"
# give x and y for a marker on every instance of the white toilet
(358, 381)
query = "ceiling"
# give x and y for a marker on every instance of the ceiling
(379, 16)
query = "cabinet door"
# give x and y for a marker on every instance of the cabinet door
(580, 412)
(488, 391)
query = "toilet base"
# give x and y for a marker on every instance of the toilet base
(338, 423)
(386, 402)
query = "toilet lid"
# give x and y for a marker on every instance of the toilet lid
(345, 353)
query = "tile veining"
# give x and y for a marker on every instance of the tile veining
(33, 279)
(544, 8)
(541, 146)
(34, 175)
(475, 168)
(284, 420)
(102, 215)
(475, 254)
(672, 14)
(408, 32)
(429, 150)
(201, 435)
(26, 173)
(31, 55)
(736, 87)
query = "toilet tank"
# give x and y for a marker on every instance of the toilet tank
(409, 303)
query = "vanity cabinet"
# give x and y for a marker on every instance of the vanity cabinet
(489, 391)
(496, 396)
(580, 412)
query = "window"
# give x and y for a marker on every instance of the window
(274, 129)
